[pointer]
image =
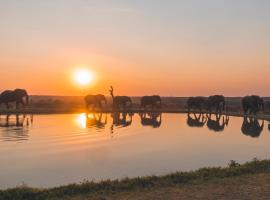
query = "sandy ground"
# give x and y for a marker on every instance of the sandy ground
(250, 187)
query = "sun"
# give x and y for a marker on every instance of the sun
(83, 77)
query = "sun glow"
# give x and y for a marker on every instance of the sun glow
(83, 77)
(81, 120)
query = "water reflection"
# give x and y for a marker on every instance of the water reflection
(151, 119)
(196, 120)
(120, 120)
(96, 120)
(55, 139)
(81, 120)
(252, 127)
(214, 122)
(92, 120)
(15, 127)
(218, 122)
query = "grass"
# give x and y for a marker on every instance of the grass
(92, 190)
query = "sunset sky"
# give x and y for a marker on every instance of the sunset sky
(166, 47)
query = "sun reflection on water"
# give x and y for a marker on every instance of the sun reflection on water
(81, 120)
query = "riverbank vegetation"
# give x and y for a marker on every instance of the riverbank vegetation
(114, 189)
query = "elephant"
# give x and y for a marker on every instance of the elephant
(151, 119)
(252, 127)
(17, 96)
(154, 101)
(119, 101)
(216, 101)
(196, 103)
(95, 100)
(216, 124)
(196, 121)
(252, 104)
(96, 120)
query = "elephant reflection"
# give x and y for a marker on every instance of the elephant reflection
(151, 119)
(198, 120)
(252, 127)
(97, 120)
(19, 121)
(218, 123)
(16, 127)
(122, 119)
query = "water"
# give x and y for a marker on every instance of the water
(53, 150)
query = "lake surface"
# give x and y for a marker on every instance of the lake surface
(53, 150)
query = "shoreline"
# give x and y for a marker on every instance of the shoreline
(77, 111)
(140, 184)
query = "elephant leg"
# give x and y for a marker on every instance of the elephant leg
(245, 110)
(94, 107)
(209, 109)
(7, 120)
(7, 105)
(22, 102)
(17, 104)
(100, 105)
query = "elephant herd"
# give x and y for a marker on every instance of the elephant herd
(118, 102)
(250, 104)
(217, 103)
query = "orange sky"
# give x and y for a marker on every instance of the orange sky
(170, 48)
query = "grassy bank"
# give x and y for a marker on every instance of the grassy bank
(124, 188)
